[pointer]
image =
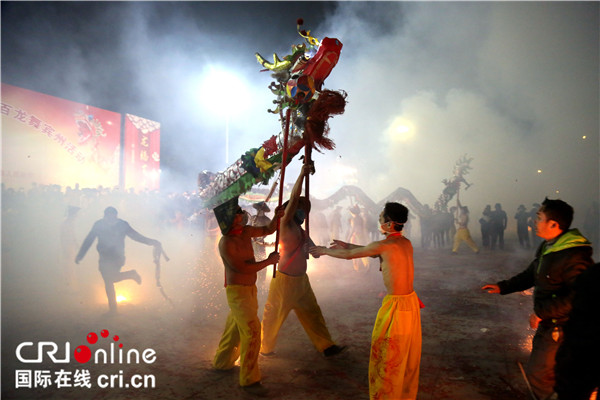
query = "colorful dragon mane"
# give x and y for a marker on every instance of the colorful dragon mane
(304, 109)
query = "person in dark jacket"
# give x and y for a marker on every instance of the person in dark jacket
(485, 222)
(577, 367)
(497, 227)
(522, 232)
(111, 232)
(562, 256)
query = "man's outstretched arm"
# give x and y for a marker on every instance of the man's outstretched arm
(292, 205)
(87, 242)
(138, 237)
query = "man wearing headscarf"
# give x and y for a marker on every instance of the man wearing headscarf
(241, 337)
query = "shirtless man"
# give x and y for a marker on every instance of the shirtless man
(462, 228)
(290, 289)
(241, 337)
(259, 244)
(396, 340)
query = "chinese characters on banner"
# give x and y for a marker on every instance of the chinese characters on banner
(142, 153)
(48, 140)
(52, 141)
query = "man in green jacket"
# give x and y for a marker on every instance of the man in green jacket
(563, 255)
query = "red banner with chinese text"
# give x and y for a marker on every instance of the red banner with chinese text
(48, 140)
(142, 153)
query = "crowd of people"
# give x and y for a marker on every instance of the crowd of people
(159, 209)
(562, 362)
(493, 223)
(353, 222)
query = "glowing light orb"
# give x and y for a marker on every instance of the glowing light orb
(401, 130)
(121, 298)
(539, 171)
(220, 88)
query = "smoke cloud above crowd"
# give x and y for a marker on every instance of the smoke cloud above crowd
(512, 85)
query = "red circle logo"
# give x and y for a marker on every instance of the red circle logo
(82, 354)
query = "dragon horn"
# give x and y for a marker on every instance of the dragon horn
(306, 34)
(276, 65)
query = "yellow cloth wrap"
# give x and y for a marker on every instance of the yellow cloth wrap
(288, 293)
(241, 337)
(259, 160)
(396, 349)
(463, 235)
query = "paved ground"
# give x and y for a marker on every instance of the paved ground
(471, 340)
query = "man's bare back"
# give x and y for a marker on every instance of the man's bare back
(237, 253)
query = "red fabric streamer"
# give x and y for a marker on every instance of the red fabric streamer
(316, 127)
(270, 146)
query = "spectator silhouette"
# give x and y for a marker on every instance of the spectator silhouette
(522, 232)
(111, 232)
(498, 225)
(485, 222)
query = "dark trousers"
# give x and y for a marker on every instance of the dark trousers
(497, 236)
(523, 235)
(577, 369)
(485, 237)
(540, 367)
(111, 273)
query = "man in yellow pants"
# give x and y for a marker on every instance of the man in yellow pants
(462, 231)
(241, 337)
(396, 339)
(290, 289)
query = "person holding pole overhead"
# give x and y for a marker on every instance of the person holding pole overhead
(290, 289)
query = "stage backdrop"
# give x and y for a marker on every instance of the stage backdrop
(48, 140)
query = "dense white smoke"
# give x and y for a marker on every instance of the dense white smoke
(514, 85)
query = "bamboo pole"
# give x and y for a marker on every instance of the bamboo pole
(283, 164)
(307, 160)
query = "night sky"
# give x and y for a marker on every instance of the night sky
(512, 84)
